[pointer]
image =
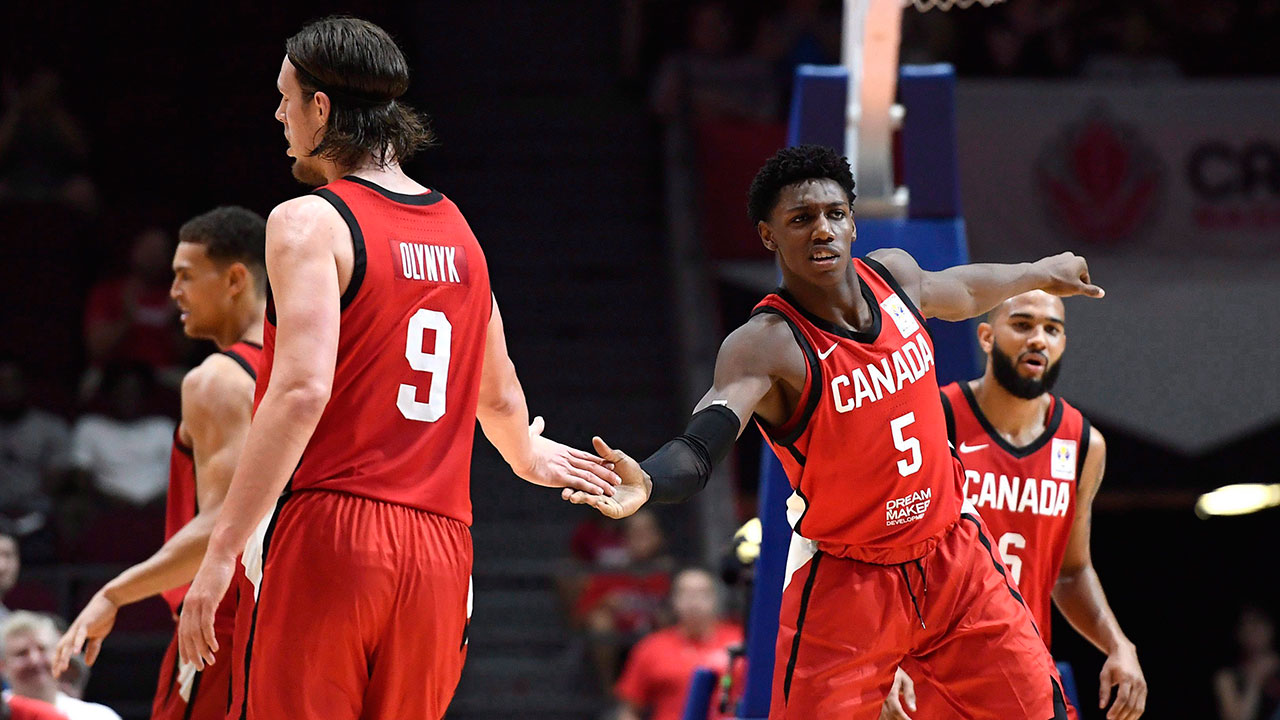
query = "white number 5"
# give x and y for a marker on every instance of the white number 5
(906, 444)
(436, 363)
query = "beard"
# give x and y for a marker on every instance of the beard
(1006, 373)
(306, 172)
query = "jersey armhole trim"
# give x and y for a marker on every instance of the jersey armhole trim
(242, 362)
(358, 260)
(951, 419)
(892, 282)
(1085, 431)
(796, 424)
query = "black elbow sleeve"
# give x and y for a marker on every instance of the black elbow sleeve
(680, 468)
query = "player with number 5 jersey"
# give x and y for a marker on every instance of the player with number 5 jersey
(837, 368)
(383, 347)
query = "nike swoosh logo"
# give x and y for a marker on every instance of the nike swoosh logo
(971, 448)
(823, 355)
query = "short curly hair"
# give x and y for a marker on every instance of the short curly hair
(792, 165)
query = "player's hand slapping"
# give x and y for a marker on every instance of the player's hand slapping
(628, 497)
(196, 641)
(559, 466)
(90, 628)
(1068, 275)
(1122, 671)
(902, 697)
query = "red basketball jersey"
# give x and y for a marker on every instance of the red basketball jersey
(401, 417)
(1026, 494)
(866, 450)
(182, 503)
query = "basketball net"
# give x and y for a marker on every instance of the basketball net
(872, 34)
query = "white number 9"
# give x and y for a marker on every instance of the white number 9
(436, 363)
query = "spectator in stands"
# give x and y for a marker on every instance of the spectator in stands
(43, 150)
(656, 677)
(131, 318)
(620, 605)
(125, 449)
(27, 640)
(10, 566)
(709, 80)
(33, 447)
(1250, 690)
(15, 707)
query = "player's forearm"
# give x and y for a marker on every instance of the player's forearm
(173, 565)
(503, 413)
(1080, 598)
(281, 429)
(967, 291)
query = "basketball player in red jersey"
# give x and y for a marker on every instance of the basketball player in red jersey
(1033, 465)
(383, 346)
(837, 368)
(220, 286)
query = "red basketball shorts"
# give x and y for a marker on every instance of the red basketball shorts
(362, 612)
(182, 693)
(953, 617)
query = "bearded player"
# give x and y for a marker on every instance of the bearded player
(837, 368)
(383, 346)
(220, 287)
(1033, 465)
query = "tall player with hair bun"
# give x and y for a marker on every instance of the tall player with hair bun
(383, 347)
(837, 368)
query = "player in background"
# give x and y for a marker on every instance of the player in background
(220, 287)
(383, 346)
(837, 368)
(1033, 465)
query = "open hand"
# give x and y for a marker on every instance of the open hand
(1122, 671)
(560, 466)
(90, 628)
(626, 498)
(196, 641)
(1068, 275)
(902, 697)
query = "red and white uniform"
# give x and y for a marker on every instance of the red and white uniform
(1027, 495)
(367, 560)
(886, 565)
(182, 693)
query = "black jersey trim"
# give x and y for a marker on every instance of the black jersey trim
(253, 622)
(951, 419)
(182, 447)
(868, 336)
(1059, 701)
(1083, 451)
(359, 260)
(815, 387)
(242, 362)
(1051, 427)
(191, 699)
(430, 197)
(252, 344)
(892, 282)
(271, 306)
(795, 642)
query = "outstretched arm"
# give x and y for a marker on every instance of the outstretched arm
(217, 403)
(966, 291)
(304, 278)
(1078, 594)
(504, 417)
(758, 368)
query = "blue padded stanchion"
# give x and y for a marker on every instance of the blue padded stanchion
(698, 700)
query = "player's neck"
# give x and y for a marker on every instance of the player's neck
(389, 176)
(1018, 420)
(245, 324)
(840, 303)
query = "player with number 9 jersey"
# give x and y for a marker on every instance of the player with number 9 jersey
(399, 423)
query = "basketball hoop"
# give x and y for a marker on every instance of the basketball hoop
(944, 5)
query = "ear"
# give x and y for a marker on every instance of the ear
(986, 337)
(323, 106)
(766, 236)
(238, 278)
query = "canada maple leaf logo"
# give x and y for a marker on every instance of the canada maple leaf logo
(1099, 179)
